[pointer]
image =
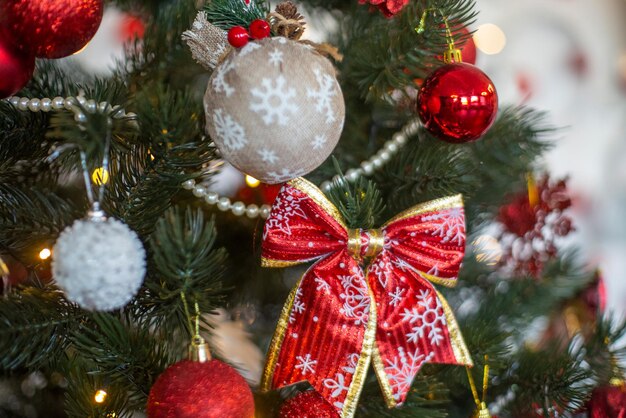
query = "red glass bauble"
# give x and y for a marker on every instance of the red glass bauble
(52, 28)
(259, 29)
(608, 402)
(457, 103)
(190, 389)
(16, 68)
(308, 404)
(238, 36)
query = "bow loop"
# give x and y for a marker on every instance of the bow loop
(339, 318)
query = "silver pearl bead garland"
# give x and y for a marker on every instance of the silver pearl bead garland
(366, 168)
(224, 204)
(69, 103)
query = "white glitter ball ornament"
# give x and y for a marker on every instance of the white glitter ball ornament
(99, 263)
(274, 109)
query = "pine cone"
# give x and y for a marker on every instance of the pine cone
(289, 11)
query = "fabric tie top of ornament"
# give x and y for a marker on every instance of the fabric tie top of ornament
(274, 107)
(339, 318)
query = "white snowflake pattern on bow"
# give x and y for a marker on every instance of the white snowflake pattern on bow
(451, 225)
(229, 131)
(355, 296)
(306, 364)
(275, 101)
(323, 96)
(403, 368)
(380, 269)
(428, 317)
(298, 306)
(396, 296)
(338, 384)
(285, 208)
(322, 284)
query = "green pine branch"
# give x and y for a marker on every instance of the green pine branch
(228, 13)
(184, 262)
(34, 327)
(123, 354)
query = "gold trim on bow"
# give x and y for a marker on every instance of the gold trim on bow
(461, 353)
(383, 379)
(318, 197)
(360, 373)
(277, 340)
(432, 206)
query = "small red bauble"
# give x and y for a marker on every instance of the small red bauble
(52, 28)
(190, 389)
(608, 402)
(308, 404)
(259, 29)
(238, 36)
(16, 68)
(457, 103)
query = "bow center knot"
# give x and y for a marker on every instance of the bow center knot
(365, 243)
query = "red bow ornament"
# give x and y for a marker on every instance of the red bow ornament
(340, 318)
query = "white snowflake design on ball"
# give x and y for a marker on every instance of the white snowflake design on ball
(229, 131)
(267, 155)
(284, 174)
(99, 264)
(275, 101)
(402, 369)
(276, 57)
(323, 96)
(319, 141)
(429, 318)
(218, 82)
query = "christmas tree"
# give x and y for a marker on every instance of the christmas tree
(427, 234)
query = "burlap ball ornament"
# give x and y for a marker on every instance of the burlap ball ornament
(274, 109)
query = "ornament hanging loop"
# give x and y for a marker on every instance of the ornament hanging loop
(452, 54)
(482, 410)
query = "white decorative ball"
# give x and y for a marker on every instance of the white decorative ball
(274, 109)
(99, 263)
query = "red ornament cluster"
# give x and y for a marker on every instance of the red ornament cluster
(608, 402)
(191, 389)
(388, 7)
(238, 36)
(308, 404)
(42, 29)
(529, 231)
(457, 103)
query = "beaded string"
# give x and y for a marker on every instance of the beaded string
(366, 168)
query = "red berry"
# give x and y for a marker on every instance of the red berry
(238, 36)
(259, 29)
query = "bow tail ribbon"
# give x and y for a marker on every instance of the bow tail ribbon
(415, 326)
(325, 333)
(338, 319)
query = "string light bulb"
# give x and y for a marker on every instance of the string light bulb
(100, 176)
(45, 254)
(252, 182)
(100, 396)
